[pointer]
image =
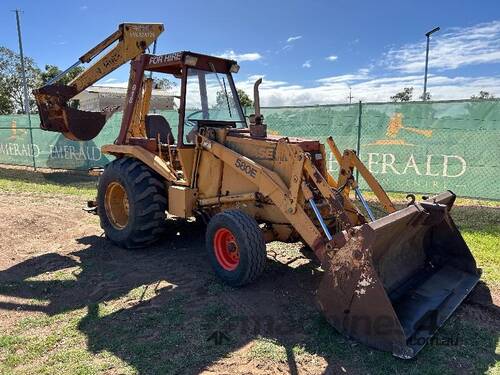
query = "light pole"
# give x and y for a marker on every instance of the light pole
(427, 34)
(25, 84)
(23, 72)
(350, 95)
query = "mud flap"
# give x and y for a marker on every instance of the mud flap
(393, 282)
(57, 116)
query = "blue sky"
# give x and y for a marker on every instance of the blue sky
(309, 52)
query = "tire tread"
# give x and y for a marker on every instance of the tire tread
(147, 190)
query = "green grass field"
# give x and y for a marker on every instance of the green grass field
(120, 334)
(57, 182)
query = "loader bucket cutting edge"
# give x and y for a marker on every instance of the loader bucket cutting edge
(394, 282)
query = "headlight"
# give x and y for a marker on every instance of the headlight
(234, 68)
(190, 60)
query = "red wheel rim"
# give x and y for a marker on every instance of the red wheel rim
(226, 249)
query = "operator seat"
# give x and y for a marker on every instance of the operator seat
(157, 124)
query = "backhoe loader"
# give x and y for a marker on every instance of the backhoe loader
(389, 282)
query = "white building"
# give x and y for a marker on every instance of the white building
(95, 98)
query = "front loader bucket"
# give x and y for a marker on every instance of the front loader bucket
(395, 281)
(57, 116)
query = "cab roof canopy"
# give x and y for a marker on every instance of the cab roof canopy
(173, 63)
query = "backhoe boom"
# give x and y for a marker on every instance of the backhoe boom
(52, 99)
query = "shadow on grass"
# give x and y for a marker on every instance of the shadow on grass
(161, 310)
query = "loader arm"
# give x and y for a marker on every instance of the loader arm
(347, 162)
(272, 186)
(52, 99)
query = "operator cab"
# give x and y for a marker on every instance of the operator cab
(208, 95)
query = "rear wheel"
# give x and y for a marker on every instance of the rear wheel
(131, 203)
(236, 247)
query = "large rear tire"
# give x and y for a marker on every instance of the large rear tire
(236, 247)
(131, 203)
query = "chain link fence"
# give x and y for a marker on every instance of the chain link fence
(418, 147)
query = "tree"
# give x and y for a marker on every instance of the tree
(244, 99)
(6, 106)
(163, 84)
(427, 96)
(12, 92)
(403, 96)
(52, 70)
(483, 95)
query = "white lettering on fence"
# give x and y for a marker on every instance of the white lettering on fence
(19, 149)
(449, 166)
(69, 152)
(445, 165)
(66, 152)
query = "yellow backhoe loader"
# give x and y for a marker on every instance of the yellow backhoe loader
(389, 282)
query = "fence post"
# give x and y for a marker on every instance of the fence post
(32, 145)
(358, 146)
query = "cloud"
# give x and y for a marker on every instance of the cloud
(478, 44)
(398, 68)
(330, 90)
(84, 7)
(362, 74)
(113, 83)
(294, 38)
(230, 54)
(365, 71)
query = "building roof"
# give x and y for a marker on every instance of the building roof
(120, 91)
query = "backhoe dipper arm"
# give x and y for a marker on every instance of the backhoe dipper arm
(51, 99)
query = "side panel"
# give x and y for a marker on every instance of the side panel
(276, 156)
(186, 158)
(272, 155)
(180, 201)
(209, 175)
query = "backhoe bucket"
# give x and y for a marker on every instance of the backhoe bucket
(395, 281)
(57, 116)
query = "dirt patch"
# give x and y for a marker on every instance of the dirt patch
(161, 310)
(35, 224)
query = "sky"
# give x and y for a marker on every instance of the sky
(308, 52)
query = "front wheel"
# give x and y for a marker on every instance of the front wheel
(236, 247)
(131, 203)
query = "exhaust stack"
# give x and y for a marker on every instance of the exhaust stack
(257, 127)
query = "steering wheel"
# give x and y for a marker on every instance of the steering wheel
(191, 122)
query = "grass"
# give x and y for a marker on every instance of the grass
(480, 228)
(126, 335)
(18, 179)
(474, 202)
(267, 349)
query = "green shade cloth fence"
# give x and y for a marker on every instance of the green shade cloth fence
(420, 147)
